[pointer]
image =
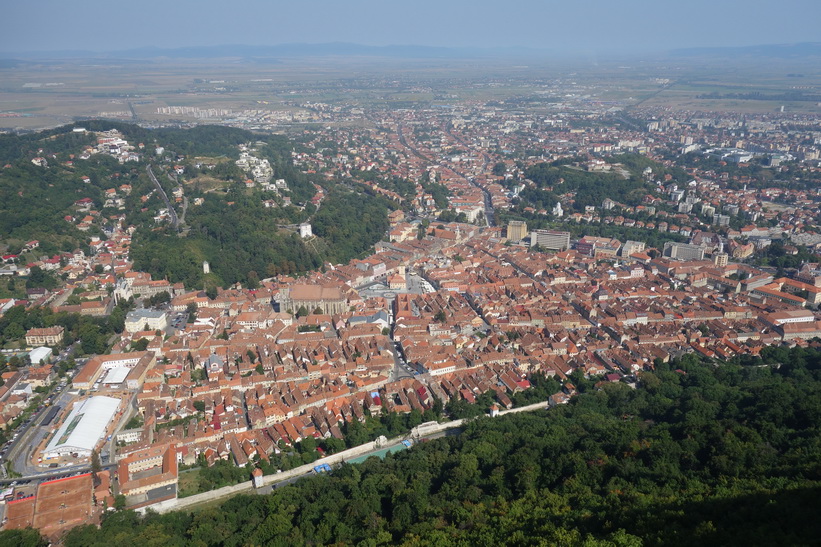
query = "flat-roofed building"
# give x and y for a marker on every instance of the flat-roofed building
(550, 239)
(630, 247)
(84, 427)
(144, 319)
(116, 375)
(516, 230)
(683, 251)
(598, 246)
(40, 354)
(94, 368)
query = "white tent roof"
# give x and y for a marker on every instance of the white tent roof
(116, 375)
(85, 425)
(38, 354)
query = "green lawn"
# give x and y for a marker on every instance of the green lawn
(188, 483)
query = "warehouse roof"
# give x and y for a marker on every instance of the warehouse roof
(85, 425)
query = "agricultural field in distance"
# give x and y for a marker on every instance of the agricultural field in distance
(39, 95)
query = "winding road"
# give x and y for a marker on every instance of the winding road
(174, 220)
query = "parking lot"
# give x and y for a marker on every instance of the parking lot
(176, 321)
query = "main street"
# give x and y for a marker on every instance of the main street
(489, 212)
(415, 284)
(33, 433)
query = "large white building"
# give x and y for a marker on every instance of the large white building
(550, 239)
(40, 354)
(84, 427)
(683, 251)
(137, 320)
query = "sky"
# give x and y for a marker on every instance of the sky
(565, 27)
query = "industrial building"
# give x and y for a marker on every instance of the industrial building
(84, 427)
(114, 366)
(40, 354)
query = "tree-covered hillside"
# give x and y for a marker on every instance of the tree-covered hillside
(35, 200)
(699, 454)
(351, 222)
(238, 229)
(235, 233)
(242, 241)
(590, 188)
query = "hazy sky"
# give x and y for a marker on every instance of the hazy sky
(569, 26)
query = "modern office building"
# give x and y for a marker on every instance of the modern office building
(683, 251)
(516, 230)
(551, 240)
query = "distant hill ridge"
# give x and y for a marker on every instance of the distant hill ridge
(341, 49)
(800, 50)
(409, 51)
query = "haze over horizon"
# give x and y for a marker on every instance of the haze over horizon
(593, 27)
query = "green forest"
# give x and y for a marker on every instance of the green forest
(92, 332)
(237, 235)
(700, 454)
(590, 188)
(350, 222)
(233, 230)
(35, 200)
(242, 241)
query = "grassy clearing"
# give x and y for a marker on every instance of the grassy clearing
(187, 485)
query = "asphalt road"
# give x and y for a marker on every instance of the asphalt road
(174, 220)
(401, 369)
(34, 434)
(268, 489)
(31, 433)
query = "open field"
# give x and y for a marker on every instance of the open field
(188, 482)
(48, 94)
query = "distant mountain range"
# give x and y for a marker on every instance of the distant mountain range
(334, 49)
(781, 51)
(343, 49)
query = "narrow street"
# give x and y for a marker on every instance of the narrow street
(174, 220)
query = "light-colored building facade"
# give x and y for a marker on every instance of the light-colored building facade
(550, 239)
(516, 230)
(143, 319)
(50, 336)
(683, 251)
